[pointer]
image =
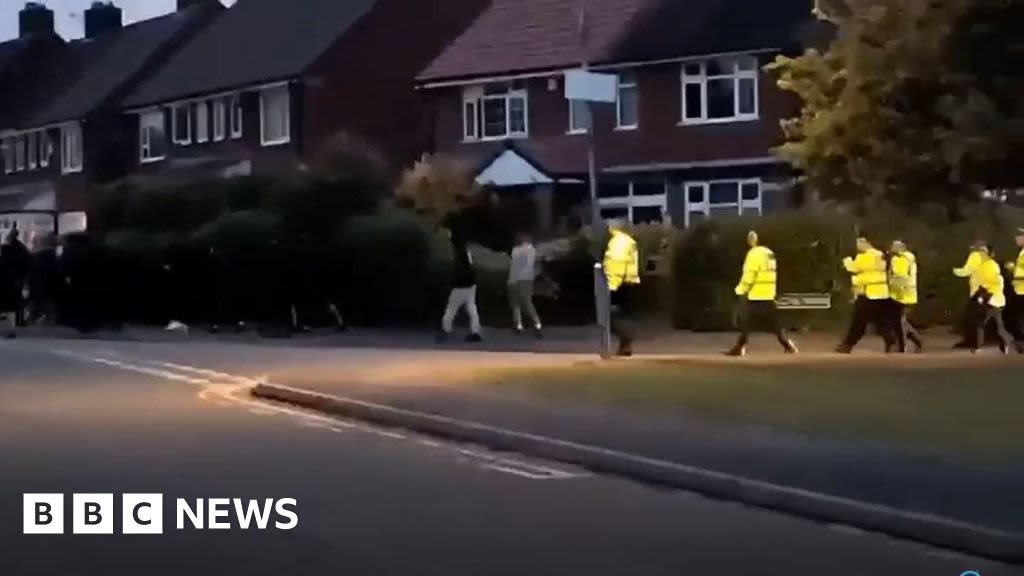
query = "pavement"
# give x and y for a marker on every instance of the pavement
(173, 418)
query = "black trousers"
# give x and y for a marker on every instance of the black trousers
(880, 313)
(1016, 309)
(904, 329)
(763, 315)
(976, 335)
(621, 327)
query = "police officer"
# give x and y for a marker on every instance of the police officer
(622, 270)
(972, 310)
(903, 290)
(757, 290)
(991, 298)
(1016, 270)
(871, 290)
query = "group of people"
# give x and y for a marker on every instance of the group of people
(884, 288)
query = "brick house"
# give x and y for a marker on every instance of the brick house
(692, 131)
(61, 128)
(269, 81)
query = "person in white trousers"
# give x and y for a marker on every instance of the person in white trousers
(521, 276)
(463, 294)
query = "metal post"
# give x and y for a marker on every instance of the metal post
(603, 309)
(595, 208)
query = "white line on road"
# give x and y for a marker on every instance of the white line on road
(226, 389)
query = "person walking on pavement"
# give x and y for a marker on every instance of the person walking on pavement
(17, 263)
(1016, 269)
(903, 290)
(757, 290)
(622, 270)
(463, 293)
(991, 298)
(521, 276)
(871, 290)
(972, 310)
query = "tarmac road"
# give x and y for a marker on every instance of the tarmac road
(94, 417)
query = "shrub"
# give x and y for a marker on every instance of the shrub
(431, 186)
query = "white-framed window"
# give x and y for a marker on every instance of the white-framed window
(32, 142)
(202, 122)
(500, 112)
(640, 201)
(275, 116)
(181, 124)
(579, 117)
(220, 120)
(71, 148)
(45, 149)
(237, 115)
(722, 197)
(19, 153)
(627, 103)
(152, 137)
(720, 90)
(8, 155)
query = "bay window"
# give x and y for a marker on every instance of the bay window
(181, 124)
(202, 122)
(720, 90)
(152, 137)
(219, 120)
(275, 116)
(722, 198)
(71, 148)
(641, 201)
(237, 115)
(494, 113)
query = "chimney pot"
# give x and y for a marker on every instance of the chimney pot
(101, 18)
(35, 18)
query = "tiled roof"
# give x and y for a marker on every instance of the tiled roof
(253, 42)
(107, 63)
(515, 36)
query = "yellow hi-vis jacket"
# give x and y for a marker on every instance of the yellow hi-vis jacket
(621, 260)
(1018, 274)
(990, 277)
(758, 283)
(903, 278)
(970, 270)
(869, 275)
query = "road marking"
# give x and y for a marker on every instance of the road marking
(230, 390)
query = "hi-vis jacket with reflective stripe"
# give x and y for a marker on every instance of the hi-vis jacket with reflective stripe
(758, 283)
(970, 270)
(990, 277)
(1018, 274)
(621, 260)
(903, 278)
(869, 275)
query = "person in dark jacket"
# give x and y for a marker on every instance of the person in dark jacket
(16, 261)
(463, 292)
(45, 281)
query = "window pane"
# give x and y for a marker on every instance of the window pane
(275, 107)
(648, 188)
(695, 194)
(721, 67)
(237, 116)
(721, 98)
(202, 122)
(614, 213)
(751, 191)
(19, 153)
(469, 120)
(647, 214)
(724, 193)
(613, 189)
(33, 150)
(495, 118)
(692, 69)
(747, 63)
(518, 115)
(748, 96)
(719, 211)
(694, 97)
(628, 106)
(182, 124)
(579, 116)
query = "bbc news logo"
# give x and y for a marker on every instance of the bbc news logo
(144, 514)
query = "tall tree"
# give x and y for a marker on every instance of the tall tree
(896, 108)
